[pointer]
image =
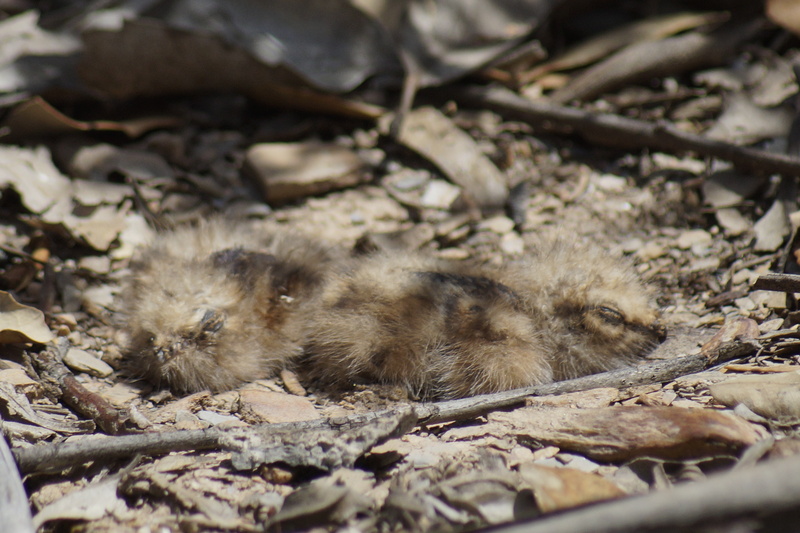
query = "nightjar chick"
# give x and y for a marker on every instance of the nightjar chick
(447, 330)
(215, 305)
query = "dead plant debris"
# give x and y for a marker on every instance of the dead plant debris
(664, 131)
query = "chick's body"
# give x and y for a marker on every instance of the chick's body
(212, 306)
(449, 330)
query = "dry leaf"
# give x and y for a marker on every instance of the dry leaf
(290, 171)
(36, 118)
(21, 323)
(621, 433)
(259, 406)
(649, 29)
(562, 488)
(427, 131)
(772, 228)
(743, 122)
(785, 13)
(91, 503)
(32, 58)
(775, 396)
(259, 49)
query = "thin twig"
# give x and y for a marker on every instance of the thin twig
(778, 282)
(655, 372)
(48, 457)
(620, 132)
(55, 457)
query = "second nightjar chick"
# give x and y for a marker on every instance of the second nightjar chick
(446, 330)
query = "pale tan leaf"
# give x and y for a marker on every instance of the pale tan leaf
(563, 488)
(619, 433)
(775, 396)
(21, 323)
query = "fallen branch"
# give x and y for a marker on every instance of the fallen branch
(778, 282)
(59, 456)
(768, 493)
(284, 442)
(53, 457)
(620, 132)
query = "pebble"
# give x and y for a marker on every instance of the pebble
(693, 237)
(453, 254)
(651, 250)
(610, 183)
(632, 245)
(100, 264)
(410, 179)
(440, 195)
(187, 420)
(512, 244)
(745, 304)
(214, 418)
(744, 276)
(499, 224)
(770, 325)
(289, 171)
(121, 395)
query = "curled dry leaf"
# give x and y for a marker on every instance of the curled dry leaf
(595, 48)
(621, 433)
(36, 118)
(90, 503)
(563, 488)
(21, 323)
(774, 396)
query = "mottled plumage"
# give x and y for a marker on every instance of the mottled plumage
(449, 330)
(213, 306)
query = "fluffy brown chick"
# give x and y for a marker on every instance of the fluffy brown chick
(445, 330)
(212, 306)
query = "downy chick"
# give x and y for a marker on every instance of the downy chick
(446, 330)
(213, 306)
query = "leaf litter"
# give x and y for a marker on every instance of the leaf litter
(279, 455)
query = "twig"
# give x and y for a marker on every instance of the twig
(48, 457)
(13, 501)
(655, 372)
(84, 402)
(55, 457)
(620, 132)
(778, 282)
(655, 59)
(766, 490)
(14, 251)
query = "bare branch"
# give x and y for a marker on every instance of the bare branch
(620, 132)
